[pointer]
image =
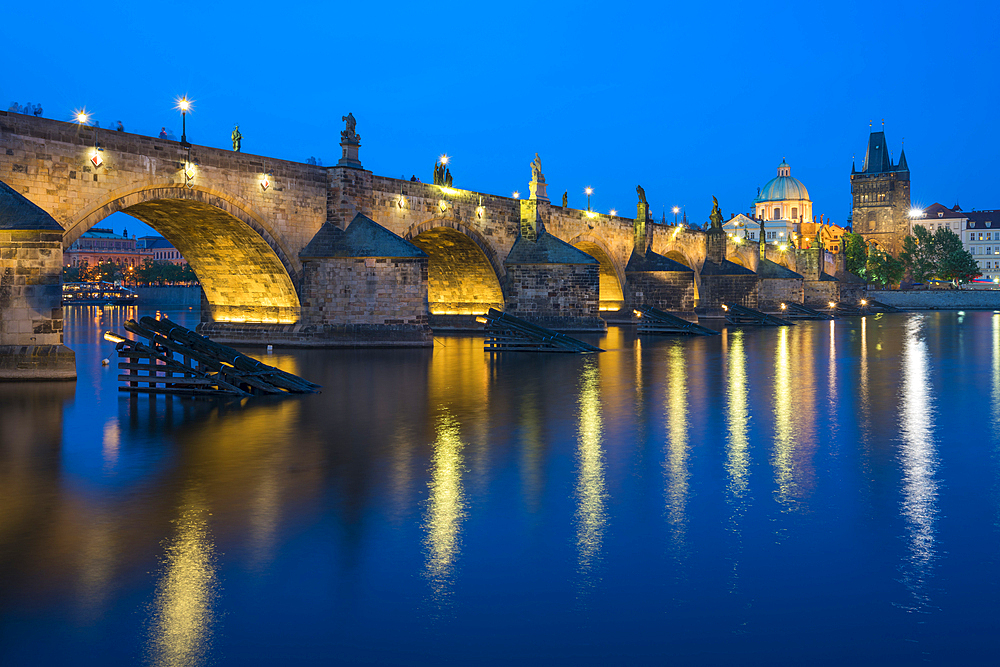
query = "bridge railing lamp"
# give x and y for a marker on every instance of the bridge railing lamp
(184, 104)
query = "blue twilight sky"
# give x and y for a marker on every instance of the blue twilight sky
(688, 99)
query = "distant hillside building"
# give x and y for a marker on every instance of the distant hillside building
(162, 249)
(881, 196)
(103, 245)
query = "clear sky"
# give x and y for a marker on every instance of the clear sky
(687, 99)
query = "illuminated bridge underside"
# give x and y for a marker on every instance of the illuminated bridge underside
(611, 296)
(460, 280)
(243, 278)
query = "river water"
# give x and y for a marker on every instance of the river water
(827, 493)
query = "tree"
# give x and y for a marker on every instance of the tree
(883, 268)
(919, 255)
(954, 262)
(856, 253)
(71, 274)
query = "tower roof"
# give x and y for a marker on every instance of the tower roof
(877, 156)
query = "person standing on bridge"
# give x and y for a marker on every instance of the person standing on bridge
(163, 133)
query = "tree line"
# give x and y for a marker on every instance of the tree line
(150, 272)
(924, 256)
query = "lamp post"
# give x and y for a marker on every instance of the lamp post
(184, 104)
(589, 190)
(677, 209)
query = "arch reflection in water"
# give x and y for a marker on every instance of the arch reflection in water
(445, 506)
(591, 495)
(183, 611)
(919, 461)
(677, 443)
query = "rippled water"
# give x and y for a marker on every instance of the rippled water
(820, 494)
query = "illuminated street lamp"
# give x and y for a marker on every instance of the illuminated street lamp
(184, 104)
(589, 190)
(677, 209)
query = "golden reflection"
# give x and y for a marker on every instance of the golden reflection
(110, 443)
(677, 442)
(591, 513)
(532, 449)
(784, 443)
(737, 418)
(833, 365)
(445, 506)
(183, 612)
(919, 460)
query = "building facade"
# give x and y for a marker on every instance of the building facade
(162, 250)
(881, 196)
(103, 245)
(982, 239)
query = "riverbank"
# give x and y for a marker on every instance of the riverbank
(939, 299)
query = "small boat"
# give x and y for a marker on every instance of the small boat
(98, 293)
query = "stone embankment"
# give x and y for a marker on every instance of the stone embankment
(939, 299)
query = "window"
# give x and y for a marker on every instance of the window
(795, 212)
(777, 214)
(987, 236)
(980, 236)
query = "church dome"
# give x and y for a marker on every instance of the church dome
(783, 187)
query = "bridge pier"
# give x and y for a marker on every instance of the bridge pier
(31, 318)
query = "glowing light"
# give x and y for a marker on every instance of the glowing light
(591, 214)
(443, 205)
(636, 313)
(589, 190)
(184, 104)
(864, 302)
(782, 247)
(481, 320)
(445, 506)
(516, 195)
(113, 337)
(444, 159)
(447, 190)
(591, 492)
(676, 210)
(96, 159)
(833, 304)
(783, 306)
(916, 213)
(725, 307)
(265, 183)
(189, 171)
(401, 202)
(613, 212)
(480, 211)
(82, 117)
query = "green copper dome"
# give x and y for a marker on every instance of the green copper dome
(782, 187)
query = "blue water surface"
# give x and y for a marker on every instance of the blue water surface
(821, 494)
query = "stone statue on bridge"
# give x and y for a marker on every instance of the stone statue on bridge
(536, 169)
(350, 135)
(566, 199)
(237, 138)
(716, 215)
(642, 194)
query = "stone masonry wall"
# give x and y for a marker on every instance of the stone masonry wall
(555, 295)
(365, 290)
(31, 288)
(820, 292)
(772, 292)
(738, 289)
(672, 291)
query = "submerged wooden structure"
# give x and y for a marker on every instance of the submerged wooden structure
(176, 360)
(506, 333)
(737, 314)
(659, 322)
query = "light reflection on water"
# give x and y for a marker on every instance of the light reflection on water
(675, 467)
(183, 612)
(919, 461)
(445, 507)
(524, 493)
(591, 515)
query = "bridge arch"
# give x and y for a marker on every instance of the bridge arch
(246, 272)
(612, 276)
(465, 276)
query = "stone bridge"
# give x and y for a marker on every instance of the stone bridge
(267, 239)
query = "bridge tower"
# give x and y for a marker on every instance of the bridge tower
(881, 196)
